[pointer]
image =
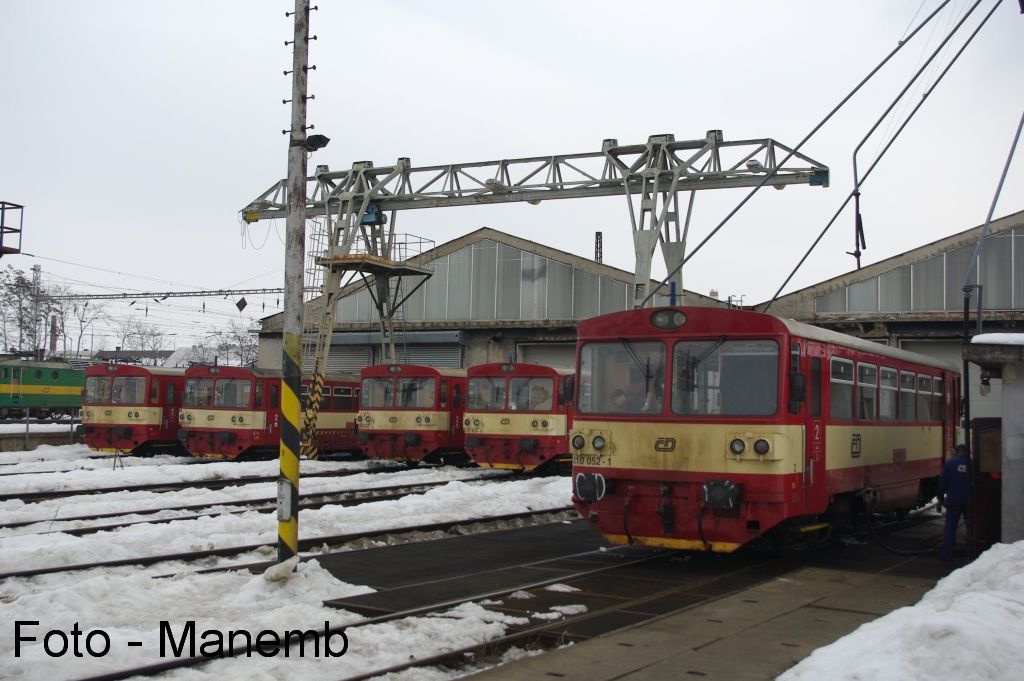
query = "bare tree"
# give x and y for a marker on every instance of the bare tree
(149, 337)
(243, 341)
(85, 314)
(16, 310)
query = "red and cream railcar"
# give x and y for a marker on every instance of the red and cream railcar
(411, 413)
(235, 412)
(705, 429)
(132, 409)
(517, 416)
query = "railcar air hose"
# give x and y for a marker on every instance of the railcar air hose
(868, 497)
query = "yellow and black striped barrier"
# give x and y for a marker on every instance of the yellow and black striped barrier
(288, 482)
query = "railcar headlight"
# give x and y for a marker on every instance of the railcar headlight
(668, 319)
(737, 446)
(761, 447)
(578, 442)
(598, 442)
(419, 419)
(476, 422)
(466, 422)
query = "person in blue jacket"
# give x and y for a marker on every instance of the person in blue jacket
(953, 495)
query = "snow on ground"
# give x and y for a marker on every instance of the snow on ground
(16, 427)
(52, 510)
(160, 472)
(129, 603)
(455, 501)
(970, 626)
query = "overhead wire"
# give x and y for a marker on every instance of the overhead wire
(767, 177)
(878, 158)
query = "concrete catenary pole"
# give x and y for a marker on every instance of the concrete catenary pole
(295, 236)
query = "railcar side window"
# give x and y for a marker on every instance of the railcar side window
(616, 376)
(842, 388)
(344, 399)
(924, 398)
(725, 378)
(486, 393)
(867, 392)
(908, 396)
(937, 401)
(154, 391)
(258, 397)
(887, 400)
(170, 393)
(815, 386)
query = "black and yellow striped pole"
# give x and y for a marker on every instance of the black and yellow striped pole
(295, 251)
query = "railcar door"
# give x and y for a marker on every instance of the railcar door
(815, 475)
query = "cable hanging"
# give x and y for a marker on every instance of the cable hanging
(874, 164)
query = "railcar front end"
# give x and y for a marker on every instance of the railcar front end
(231, 412)
(411, 413)
(517, 416)
(132, 409)
(707, 429)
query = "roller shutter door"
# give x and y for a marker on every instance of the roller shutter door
(440, 356)
(343, 358)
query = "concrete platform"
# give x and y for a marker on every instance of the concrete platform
(751, 635)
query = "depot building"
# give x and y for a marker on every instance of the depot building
(495, 297)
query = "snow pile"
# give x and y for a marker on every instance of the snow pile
(970, 626)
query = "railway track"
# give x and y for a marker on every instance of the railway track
(305, 544)
(178, 486)
(348, 497)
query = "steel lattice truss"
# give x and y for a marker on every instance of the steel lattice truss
(650, 176)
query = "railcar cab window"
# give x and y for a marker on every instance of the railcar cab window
(97, 389)
(128, 390)
(530, 394)
(842, 388)
(725, 378)
(486, 393)
(232, 392)
(416, 392)
(377, 393)
(627, 366)
(199, 392)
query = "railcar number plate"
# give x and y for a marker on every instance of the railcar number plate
(591, 460)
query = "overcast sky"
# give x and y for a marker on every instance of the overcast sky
(134, 132)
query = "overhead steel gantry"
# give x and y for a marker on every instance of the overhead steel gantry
(356, 235)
